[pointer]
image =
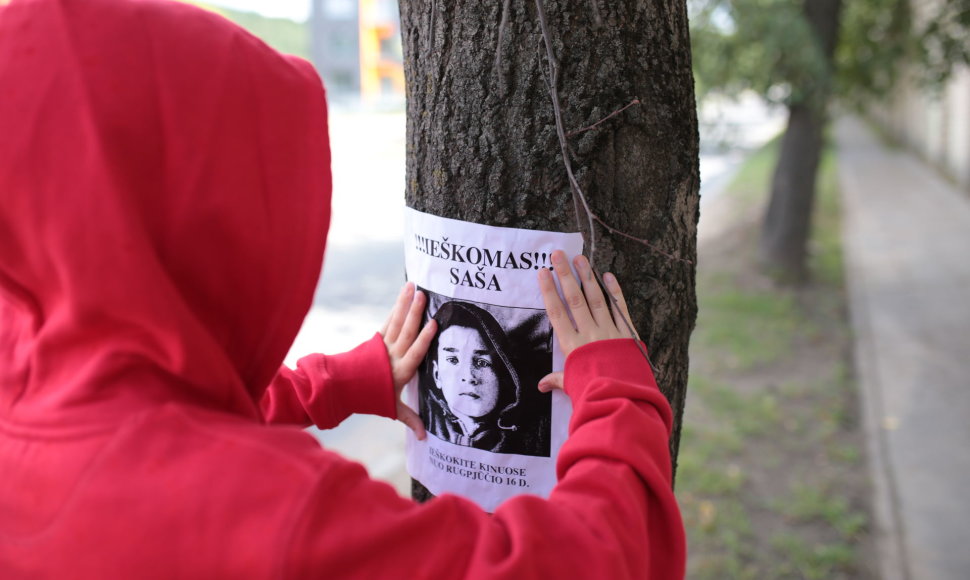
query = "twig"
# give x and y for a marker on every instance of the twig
(560, 131)
(652, 247)
(635, 101)
(577, 191)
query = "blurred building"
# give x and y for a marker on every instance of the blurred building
(934, 121)
(356, 46)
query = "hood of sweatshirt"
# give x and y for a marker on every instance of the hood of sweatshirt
(164, 203)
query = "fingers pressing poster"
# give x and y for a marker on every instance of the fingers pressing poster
(491, 433)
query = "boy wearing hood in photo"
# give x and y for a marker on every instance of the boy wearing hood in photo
(471, 389)
(164, 202)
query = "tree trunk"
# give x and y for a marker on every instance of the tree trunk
(482, 143)
(788, 219)
(784, 235)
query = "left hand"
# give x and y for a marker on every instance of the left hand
(406, 348)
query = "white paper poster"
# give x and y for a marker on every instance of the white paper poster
(491, 433)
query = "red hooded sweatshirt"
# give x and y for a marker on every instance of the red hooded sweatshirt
(164, 202)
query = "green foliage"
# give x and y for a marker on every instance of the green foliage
(764, 45)
(767, 46)
(286, 36)
(875, 41)
(944, 41)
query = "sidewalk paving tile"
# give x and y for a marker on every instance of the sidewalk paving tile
(907, 239)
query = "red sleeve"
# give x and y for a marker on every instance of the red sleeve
(612, 515)
(326, 389)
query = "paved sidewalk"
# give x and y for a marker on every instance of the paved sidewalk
(907, 240)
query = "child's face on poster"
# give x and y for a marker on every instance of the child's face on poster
(464, 371)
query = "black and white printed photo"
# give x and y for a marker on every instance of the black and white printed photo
(477, 386)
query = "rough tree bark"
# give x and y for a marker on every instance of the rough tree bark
(482, 143)
(788, 219)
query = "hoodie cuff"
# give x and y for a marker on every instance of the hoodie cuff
(609, 368)
(618, 359)
(362, 381)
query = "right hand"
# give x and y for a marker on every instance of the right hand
(587, 305)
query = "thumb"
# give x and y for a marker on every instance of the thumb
(551, 381)
(407, 416)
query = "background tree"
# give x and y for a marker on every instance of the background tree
(284, 35)
(483, 143)
(801, 53)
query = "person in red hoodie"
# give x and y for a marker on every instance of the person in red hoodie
(164, 203)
